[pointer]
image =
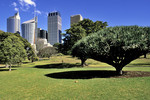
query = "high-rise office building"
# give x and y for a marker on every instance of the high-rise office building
(75, 19)
(42, 33)
(54, 28)
(13, 23)
(29, 30)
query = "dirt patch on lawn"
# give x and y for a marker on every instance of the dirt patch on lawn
(130, 74)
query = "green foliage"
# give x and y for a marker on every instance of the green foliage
(79, 31)
(47, 52)
(1, 31)
(27, 46)
(117, 46)
(35, 59)
(59, 47)
(12, 50)
(73, 34)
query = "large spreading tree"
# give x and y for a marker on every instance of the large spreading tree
(79, 30)
(7, 40)
(12, 51)
(27, 46)
(116, 46)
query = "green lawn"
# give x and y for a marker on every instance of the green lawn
(31, 81)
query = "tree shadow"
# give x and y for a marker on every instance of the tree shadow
(58, 66)
(1, 70)
(26, 62)
(82, 74)
(2, 67)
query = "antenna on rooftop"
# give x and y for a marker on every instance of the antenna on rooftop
(35, 20)
(34, 13)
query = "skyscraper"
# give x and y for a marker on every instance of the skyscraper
(13, 23)
(54, 28)
(29, 30)
(42, 33)
(75, 19)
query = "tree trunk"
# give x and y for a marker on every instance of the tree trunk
(10, 68)
(83, 62)
(6, 66)
(144, 55)
(119, 70)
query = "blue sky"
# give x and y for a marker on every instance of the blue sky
(115, 12)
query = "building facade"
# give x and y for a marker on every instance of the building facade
(42, 33)
(13, 23)
(75, 19)
(54, 28)
(29, 30)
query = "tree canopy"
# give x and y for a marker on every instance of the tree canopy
(79, 30)
(47, 52)
(116, 46)
(27, 46)
(12, 51)
(9, 44)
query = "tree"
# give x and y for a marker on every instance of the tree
(58, 47)
(74, 34)
(80, 30)
(116, 46)
(1, 31)
(12, 51)
(27, 46)
(47, 52)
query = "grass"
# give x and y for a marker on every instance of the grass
(31, 81)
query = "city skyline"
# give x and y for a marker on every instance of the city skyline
(115, 12)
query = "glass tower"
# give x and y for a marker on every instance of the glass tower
(13, 23)
(29, 30)
(54, 28)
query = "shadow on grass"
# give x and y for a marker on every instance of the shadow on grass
(58, 66)
(25, 62)
(1, 70)
(82, 74)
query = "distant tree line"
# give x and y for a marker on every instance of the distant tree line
(78, 31)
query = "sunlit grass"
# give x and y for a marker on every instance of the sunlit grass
(30, 83)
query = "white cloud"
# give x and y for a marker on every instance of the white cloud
(14, 4)
(16, 9)
(38, 12)
(24, 5)
(27, 3)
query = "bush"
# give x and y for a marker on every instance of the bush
(35, 59)
(47, 52)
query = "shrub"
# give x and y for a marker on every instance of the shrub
(47, 52)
